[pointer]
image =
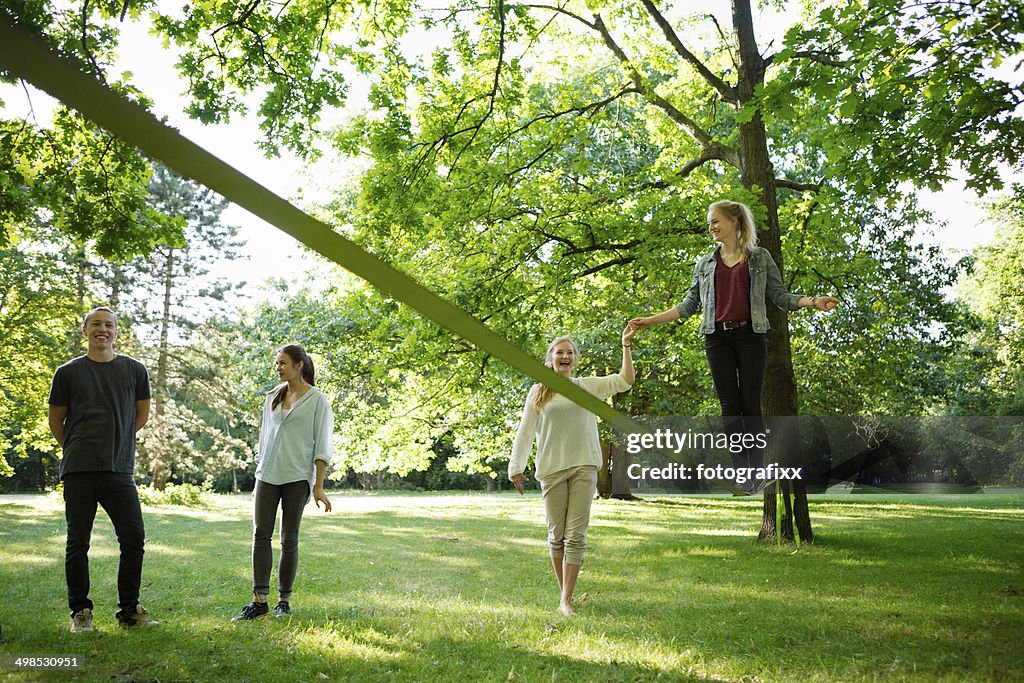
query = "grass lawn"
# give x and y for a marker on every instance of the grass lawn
(458, 587)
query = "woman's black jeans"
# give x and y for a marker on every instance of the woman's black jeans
(737, 360)
(292, 499)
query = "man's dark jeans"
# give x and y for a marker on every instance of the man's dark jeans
(737, 360)
(116, 492)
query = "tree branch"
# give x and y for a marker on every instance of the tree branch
(608, 264)
(725, 41)
(85, 43)
(812, 55)
(727, 92)
(797, 187)
(712, 152)
(688, 124)
(838, 288)
(562, 10)
(495, 86)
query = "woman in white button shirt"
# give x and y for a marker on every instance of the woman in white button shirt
(568, 456)
(296, 443)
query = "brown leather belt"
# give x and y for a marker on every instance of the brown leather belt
(731, 324)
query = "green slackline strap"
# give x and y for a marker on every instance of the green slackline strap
(26, 56)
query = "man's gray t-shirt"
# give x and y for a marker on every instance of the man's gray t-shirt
(99, 431)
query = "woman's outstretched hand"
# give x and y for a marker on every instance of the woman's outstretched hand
(640, 323)
(826, 303)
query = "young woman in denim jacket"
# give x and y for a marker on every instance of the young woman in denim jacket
(731, 284)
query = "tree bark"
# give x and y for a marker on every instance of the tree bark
(75, 340)
(757, 174)
(604, 474)
(161, 469)
(117, 279)
(165, 326)
(620, 460)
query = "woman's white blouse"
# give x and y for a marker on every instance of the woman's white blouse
(291, 442)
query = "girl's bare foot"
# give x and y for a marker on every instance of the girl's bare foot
(566, 609)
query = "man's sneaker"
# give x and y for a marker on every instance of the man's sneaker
(252, 611)
(137, 616)
(282, 609)
(81, 621)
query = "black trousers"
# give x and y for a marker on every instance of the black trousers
(737, 361)
(292, 498)
(116, 492)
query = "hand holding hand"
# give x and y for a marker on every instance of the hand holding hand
(640, 323)
(628, 333)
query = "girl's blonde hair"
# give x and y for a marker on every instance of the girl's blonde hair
(744, 218)
(541, 393)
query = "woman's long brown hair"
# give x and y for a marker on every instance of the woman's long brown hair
(298, 355)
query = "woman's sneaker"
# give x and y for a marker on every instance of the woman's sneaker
(81, 621)
(252, 611)
(282, 609)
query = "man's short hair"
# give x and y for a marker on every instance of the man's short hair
(85, 320)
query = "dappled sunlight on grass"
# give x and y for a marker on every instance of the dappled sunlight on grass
(701, 551)
(177, 552)
(645, 649)
(16, 557)
(333, 642)
(719, 532)
(211, 514)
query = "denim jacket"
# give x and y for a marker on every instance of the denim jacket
(764, 280)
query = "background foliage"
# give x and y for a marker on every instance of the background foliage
(547, 168)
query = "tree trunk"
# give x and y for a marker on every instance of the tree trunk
(785, 502)
(116, 280)
(604, 475)
(620, 460)
(75, 339)
(165, 326)
(615, 463)
(161, 467)
(757, 174)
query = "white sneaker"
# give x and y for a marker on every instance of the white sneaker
(81, 621)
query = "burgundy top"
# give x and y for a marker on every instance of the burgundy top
(732, 291)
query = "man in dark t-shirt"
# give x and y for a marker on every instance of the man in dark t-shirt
(97, 404)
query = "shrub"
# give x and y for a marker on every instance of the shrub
(188, 495)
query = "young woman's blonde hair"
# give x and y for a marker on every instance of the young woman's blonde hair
(542, 394)
(744, 219)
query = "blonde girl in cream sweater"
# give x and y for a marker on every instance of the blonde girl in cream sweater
(568, 456)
